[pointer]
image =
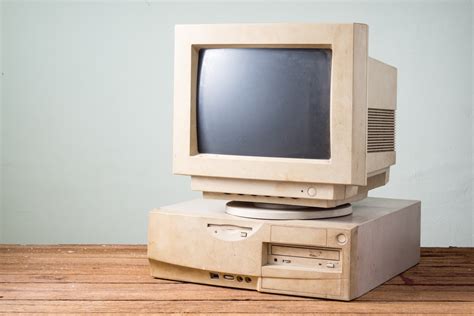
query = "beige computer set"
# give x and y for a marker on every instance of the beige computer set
(284, 128)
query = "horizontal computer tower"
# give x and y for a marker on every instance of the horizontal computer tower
(340, 258)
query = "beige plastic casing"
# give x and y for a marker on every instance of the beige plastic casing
(340, 258)
(362, 119)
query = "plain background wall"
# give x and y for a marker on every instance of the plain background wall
(87, 110)
(1, 98)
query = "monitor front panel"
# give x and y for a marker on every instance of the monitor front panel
(266, 102)
(284, 102)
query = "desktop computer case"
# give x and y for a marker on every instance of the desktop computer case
(339, 258)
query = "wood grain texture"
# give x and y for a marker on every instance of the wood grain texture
(115, 279)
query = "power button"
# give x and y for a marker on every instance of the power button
(341, 239)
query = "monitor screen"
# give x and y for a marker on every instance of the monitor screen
(267, 102)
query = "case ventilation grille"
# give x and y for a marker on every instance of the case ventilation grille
(381, 130)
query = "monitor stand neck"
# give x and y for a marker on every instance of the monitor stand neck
(284, 212)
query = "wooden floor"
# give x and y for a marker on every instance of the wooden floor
(87, 279)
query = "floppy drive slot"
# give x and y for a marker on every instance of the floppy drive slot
(229, 232)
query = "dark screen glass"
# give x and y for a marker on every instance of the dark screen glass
(267, 102)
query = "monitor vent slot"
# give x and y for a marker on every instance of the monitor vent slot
(381, 130)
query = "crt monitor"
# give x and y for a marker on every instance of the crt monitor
(288, 114)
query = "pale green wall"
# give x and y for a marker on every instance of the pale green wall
(87, 108)
(472, 114)
(1, 125)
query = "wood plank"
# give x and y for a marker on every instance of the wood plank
(83, 278)
(114, 250)
(406, 279)
(238, 307)
(189, 292)
(112, 291)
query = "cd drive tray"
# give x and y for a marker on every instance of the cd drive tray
(304, 252)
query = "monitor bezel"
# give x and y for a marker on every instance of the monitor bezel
(348, 109)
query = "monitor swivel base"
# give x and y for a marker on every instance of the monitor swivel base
(284, 212)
